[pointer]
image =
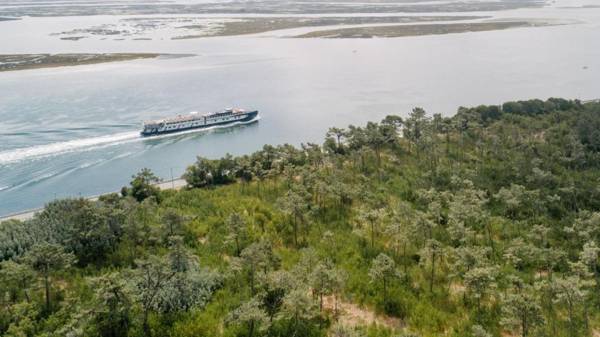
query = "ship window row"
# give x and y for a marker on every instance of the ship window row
(177, 126)
(221, 119)
(178, 123)
(171, 126)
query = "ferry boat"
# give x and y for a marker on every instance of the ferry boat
(195, 120)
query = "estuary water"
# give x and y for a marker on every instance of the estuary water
(74, 130)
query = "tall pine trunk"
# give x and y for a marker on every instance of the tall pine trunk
(47, 291)
(432, 273)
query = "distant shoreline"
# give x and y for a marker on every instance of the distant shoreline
(272, 7)
(246, 26)
(415, 30)
(15, 62)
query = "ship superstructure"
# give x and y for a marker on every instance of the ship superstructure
(197, 121)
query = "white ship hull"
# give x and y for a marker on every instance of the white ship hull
(195, 121)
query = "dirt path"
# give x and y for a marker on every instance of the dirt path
(351, 314)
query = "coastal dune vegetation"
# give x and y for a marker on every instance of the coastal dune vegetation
(12, 62)
(416, 30)
(250, 25)
(181, 28)
(481, 224)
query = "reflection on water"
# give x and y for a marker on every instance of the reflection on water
(71, 131)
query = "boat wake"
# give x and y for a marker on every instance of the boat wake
(45, 150)
(92, 143)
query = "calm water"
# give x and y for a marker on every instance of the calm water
(71, 131)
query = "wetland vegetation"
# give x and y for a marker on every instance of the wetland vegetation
(231, 27)
(35, 61)
(196, 27)
(414, 30)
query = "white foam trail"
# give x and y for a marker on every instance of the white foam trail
(83, 144)
(35, 180)
(86, 165)
(16, 155)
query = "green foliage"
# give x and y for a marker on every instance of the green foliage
(143, 186)
(48, 259)
(15, 279)
(482, 224)
(112, 305)
(206, 172)
(251, 315)
(521, 310)
(236, 226)
(383, 270)
(588, 129)
(171, 283)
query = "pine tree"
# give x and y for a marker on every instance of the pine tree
(112, 305)
(431, 254)
(479, 281)
(370, 220)
(237, 231)
(48, 259)
(16, 279)
(521, 309)
(251, 314)
(254, 259)
(383, 269)
(297, 308)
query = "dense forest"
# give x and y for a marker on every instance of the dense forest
(482, 224)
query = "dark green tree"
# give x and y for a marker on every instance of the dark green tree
(383, 269)
(251, 314)
(16, 279)
(47, 260)
(143, 185)
(112, 305)
(237, 231)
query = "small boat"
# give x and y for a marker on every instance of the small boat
(197, 121)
